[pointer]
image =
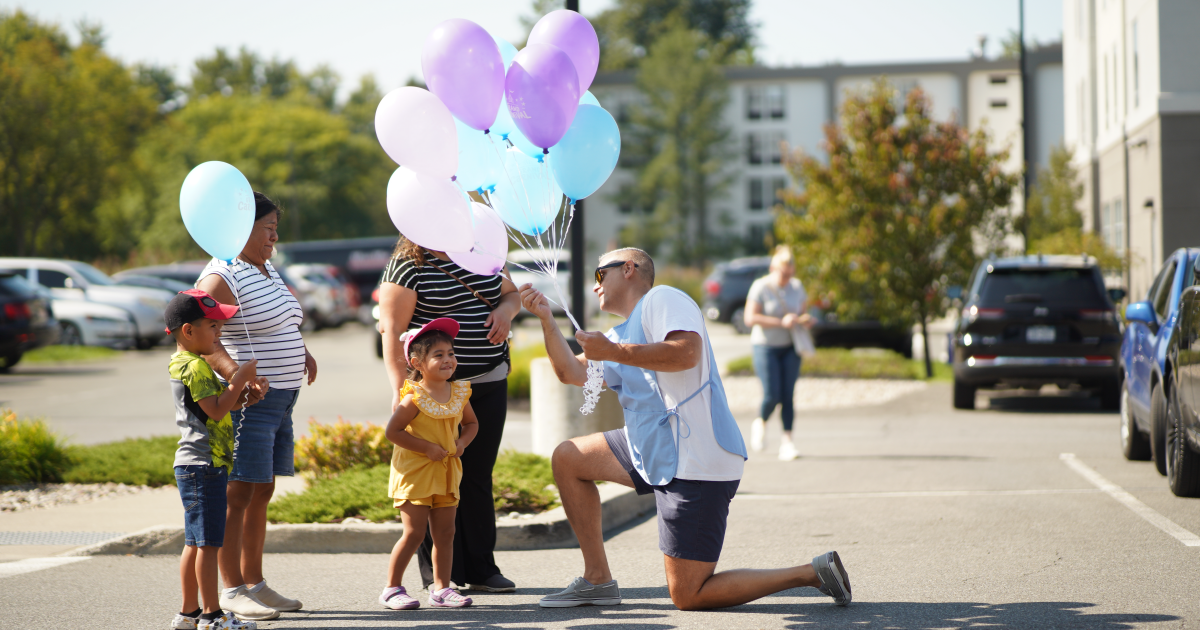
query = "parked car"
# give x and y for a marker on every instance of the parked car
(25, 321)
(1181, 443)
(128, 279)
(725, 292)
(1029, 321)
(75, 280)
(1149, 332)
(361, 260)
(523, 270)
(88, 323)
(326, 293)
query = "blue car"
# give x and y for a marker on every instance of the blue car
(1146, 378)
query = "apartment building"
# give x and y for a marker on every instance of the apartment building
(1132, 91)
(770, 106)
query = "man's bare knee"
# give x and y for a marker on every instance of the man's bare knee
(684, 599)
(564, 457)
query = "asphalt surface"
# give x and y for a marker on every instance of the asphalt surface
(944, 519)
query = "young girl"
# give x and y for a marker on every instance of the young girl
(425, 467)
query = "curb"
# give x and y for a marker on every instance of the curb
(549, 530)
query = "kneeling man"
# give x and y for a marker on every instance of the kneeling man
(680, 442)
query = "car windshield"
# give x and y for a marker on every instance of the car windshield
(1052, 287)
(15, 285)
(90, 273)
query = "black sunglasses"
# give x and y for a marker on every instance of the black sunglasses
(601, 268)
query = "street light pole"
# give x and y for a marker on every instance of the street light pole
(1025, 121)
(577, 244)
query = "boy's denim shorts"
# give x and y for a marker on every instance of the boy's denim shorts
(202, 488)
(263, 439)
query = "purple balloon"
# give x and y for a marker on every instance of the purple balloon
(463, 67)
(571, 32)
(542, 90)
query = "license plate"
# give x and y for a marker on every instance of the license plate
(1039, 334)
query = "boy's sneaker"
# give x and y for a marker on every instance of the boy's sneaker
(183, 622)
(225, 622)
(495, 584)
(246, 606)
(396, 598)
(272, 599)
(583, 593)
(834, 580)
(448, 598)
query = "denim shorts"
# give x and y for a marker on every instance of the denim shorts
(202, 489)
(692, 514)
(263, 441)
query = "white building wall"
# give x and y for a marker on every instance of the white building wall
(1049, 107)
(942, 89)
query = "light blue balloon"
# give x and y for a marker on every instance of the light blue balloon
(507, 51)
(480, 158)
(527, 197)
(504, 124)
(217, 205)
(589, 99)
(588, 152)
(523, 144)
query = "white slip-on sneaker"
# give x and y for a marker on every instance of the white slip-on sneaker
(272, 599)
(183, 622)
(758, 433)
(245, 605)
(787, 452)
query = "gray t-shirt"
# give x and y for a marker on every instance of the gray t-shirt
(202, 439)
(775, 301)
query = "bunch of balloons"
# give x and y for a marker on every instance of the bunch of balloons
(516, 128)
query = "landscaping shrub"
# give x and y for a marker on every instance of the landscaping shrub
(519, 379)
(687, 279)
(63, 354)
(135, 461)
(843, 363)
(360, 492)
(333, 448)
(519, 483)
(29, 451)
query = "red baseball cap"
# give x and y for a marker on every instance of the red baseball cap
(188, 306)
(444, 324)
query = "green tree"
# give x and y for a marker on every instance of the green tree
(70, 119)
(1052, 223)
(359, 109)
(249, 74)
(894, 216)
(678, 144)
(629, 30)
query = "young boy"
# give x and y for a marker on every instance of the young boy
(205, 453)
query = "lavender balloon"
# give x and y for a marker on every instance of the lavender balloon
(542, 90)
(572, 33)
(491, 243)
(463, 67)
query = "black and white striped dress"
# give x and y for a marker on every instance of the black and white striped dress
(439, 295)
(272, 317)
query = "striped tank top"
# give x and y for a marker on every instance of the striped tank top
(272, 317)
(439, 295)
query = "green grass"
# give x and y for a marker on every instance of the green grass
(67, 354)
(843, 363)
(135, 461)
(519, 379)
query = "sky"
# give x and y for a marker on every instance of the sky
(385, 37)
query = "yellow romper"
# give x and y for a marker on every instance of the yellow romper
(416, 478)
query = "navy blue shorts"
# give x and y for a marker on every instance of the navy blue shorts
(202, 489)
(691, 514)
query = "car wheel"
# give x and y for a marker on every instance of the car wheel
(738, 319)
(70, 335)
(10, 361)
(143, 343)
(1134, 444)
(1183, 464)
(964, 395)
(1158, 429)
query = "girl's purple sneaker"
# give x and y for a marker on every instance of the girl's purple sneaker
(448, 598)
(396, 598)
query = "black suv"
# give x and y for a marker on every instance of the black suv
(726, 287)
(1035, 320)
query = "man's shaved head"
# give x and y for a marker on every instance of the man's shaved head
(645, 264)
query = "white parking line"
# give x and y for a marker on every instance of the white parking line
(1128, 500)
(912, 493)
(29, 565)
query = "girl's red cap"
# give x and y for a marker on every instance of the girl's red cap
(444, 324)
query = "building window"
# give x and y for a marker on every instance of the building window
(754, 102)
(756, 238)
(998, 79)
(778, 186)
(756, 193)
(775, 101)
(754, 148)
(775, 142)
(1135, 63)
(1112, 225)
(998, 103)
(625, 199)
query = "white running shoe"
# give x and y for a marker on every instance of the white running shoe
(758, 432)
(787, 451)
(246, 606)
(272, 599)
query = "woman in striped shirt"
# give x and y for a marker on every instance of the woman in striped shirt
(421, 285)
(266, 327)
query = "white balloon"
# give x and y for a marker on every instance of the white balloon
(491, 243)
(430, 211)
(417, 131)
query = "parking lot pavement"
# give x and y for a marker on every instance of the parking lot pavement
(943, 518)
